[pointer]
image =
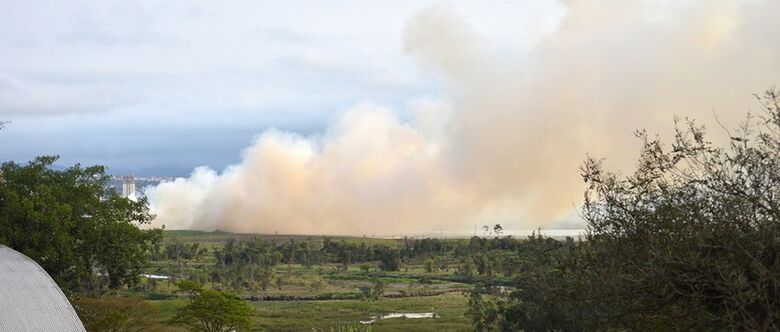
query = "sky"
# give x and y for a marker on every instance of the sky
(160, 87)
(362, 116)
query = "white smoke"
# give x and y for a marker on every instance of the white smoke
(507, 145)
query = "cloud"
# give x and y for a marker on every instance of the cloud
(506, 142)
(26, 97)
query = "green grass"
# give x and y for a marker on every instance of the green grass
(302, 316)
(322, 281)
(325, 315)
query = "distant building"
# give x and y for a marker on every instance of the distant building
(128, 185)
(30, 300)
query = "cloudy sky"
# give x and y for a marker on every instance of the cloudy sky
(160, 87)
(393, 116)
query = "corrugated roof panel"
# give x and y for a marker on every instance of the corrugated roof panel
(30, 300)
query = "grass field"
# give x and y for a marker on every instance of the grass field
(327, 315)
(325, 295)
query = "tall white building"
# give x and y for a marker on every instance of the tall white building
(128, 185)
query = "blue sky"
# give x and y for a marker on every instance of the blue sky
(160, 87)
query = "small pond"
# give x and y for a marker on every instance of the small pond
(408, 315)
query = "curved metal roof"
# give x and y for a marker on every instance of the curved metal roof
(30, 300)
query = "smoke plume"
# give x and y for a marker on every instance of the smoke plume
(506, 143)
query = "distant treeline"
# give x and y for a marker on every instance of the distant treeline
(248, 263)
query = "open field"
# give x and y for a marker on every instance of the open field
(329, 314)
(317, 296)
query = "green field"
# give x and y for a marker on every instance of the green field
(317, 297)
(327, 315)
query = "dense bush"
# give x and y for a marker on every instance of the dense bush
(690, 241)
(212, 310)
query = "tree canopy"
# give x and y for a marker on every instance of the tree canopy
(80, 231)
(212, 310)
(690, 240)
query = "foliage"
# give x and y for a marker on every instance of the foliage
(483, 310)
(696, 229)
(117, 314)
(245, 264)
(324, 315)
(375, 291)
(81, 232)
(430, 265)
(389, 259)
(248, 262)
(378, 289)
(211, 310)
(365, 267)
(690, 241)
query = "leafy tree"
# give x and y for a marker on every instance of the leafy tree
(483, 310)
(378, 289)
(375, 291)
(695, 230)
(266, 277)
(75, 227)
(388, 259)
(245, 264)
(430, 265)
(211, 310)
(498, 229)
(465, 269)
(690, 241)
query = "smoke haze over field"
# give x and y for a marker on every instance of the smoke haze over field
(503, 142)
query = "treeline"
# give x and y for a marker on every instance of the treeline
(248, 264)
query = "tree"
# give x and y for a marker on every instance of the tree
(70, 222)
(378, 289)
(266, 276)
(689, 241)
(695, 230)
(465, 269)
(388, 258)
(498, 229)
(211, 310)
(430, 265)
(375, 291)
(484, 312)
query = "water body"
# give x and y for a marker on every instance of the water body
(408, 315)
